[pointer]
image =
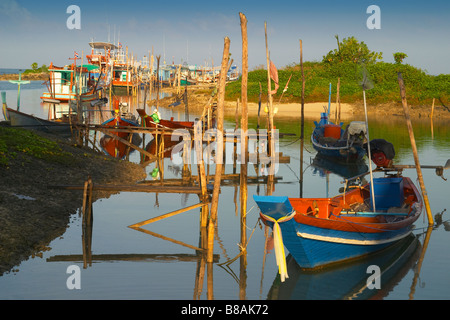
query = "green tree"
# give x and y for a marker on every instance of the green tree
(399, 56)
(351, 50)
(34, 66)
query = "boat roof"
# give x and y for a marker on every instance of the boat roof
(102, 45)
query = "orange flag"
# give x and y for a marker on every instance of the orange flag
(274, 77)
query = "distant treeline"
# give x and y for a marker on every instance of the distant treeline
(421, 87)
(350, 63)
(35, 69)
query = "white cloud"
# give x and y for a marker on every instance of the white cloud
(13, 11)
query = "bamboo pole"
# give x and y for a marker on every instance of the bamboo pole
(432, 110)
(414, 148)
(219, 151)
(244, 81)
(302, 126)
(269, 89)
(244, 152)
(338, 102)
(270, 114)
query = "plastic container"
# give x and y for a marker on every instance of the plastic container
(388, 193)
(332, 131)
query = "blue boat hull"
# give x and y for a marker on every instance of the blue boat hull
(314, 247)
(340, 149)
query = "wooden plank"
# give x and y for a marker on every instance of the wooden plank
(133, 188)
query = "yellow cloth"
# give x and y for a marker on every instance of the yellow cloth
(280, 255)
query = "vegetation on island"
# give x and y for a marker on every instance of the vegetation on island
(36, 69)
(17, 142)
(349, 62)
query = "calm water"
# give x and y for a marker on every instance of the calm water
(166, 270)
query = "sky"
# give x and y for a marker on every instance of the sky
(194, 31)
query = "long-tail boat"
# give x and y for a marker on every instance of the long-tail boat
(151, 121)
(323, 231)
(68, 82)
(332, 141)
(60, 126)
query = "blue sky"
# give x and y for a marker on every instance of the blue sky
(193, 31)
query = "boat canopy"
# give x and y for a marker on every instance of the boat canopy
(103, 45)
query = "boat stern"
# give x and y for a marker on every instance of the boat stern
(275, 207)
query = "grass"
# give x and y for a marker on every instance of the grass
(421, 87)
(18, 143)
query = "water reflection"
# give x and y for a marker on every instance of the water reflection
(212, 280)
(349, 281)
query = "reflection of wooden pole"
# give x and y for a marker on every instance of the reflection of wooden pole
(219, 148)
(419, 263)
(413, 145)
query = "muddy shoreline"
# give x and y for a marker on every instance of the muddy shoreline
(25, 76)
(32, 213)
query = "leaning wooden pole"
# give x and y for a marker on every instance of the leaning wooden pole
(219, 148)
(414, 148)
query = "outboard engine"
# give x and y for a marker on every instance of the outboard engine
(382, 152)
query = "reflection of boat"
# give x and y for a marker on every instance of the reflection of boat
(60, 125)
(350, 280)
(341, 168)
(323, 231)
(114, 147)
(332, 141)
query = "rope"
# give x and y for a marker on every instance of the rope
(278, 244)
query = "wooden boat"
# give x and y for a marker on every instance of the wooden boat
(323, 231)
(114, 147)
(27, 121)
(102, 60)
(332, 141)
(67, 82)
(151, 122)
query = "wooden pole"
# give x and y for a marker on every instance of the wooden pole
(270, 131)
(244, 150)
(432, 110)
(269, 89)
(244, 81)
(414, 148)
(302, 126)
(219, 150)
(338, 103)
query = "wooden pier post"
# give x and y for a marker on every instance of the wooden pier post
(219, 150)
(244, 159)
(302, 125)
(414, 148)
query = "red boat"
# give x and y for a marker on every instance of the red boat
(151, 122)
